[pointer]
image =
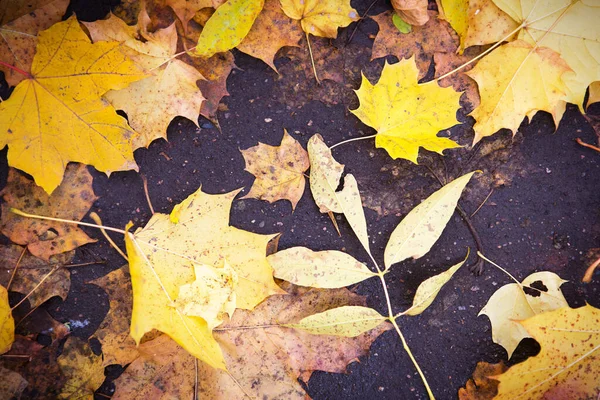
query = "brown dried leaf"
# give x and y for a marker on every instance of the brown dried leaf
(71, 200)
(118, 347)
(446, 62)
(436, 36)
(271, 31)
(31, 270)
(480, 386)
(279, 170)
(413, 12)
(12, 384)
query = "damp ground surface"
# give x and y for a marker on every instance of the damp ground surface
(543, 213)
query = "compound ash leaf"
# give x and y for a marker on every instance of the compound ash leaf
(162, 257)
(346, 321)
(517, 80)
(412, 11)
(271, 31)
(30, 272)
(327, 269)
(325, 175)
(266, 358)
(436, 36)
(422, 227)
(61, 93)
(18, 35)
(568, 364)
(228, 26)
(538, 293)
(320, 17)
(153, 102)
(279, 170)
(482, 386)
(71, 200)
(405, 114)
(82, 368)
(118, 347)
(7, 323)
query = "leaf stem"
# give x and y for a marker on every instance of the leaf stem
(499, 267)
(312, 60)
(97, 220)
(16, 69)
(352, 140)
(66, 221)
(12, 276)
(56, 267)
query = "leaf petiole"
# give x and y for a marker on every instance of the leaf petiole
(16, 69)
(66, 221)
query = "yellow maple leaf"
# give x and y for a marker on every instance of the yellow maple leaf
(279, 170)
(7, 323)
(163, 257)
(407, 115)
(320, 17)
(82, 368)
(153, 102)
(517, 80)
(568, 364)
(56, 115)
(518, 301)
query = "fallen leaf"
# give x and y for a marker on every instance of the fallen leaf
(11, 10)
(516, 80)
(162, 371)
(279, 170)
(405, 114)
(538, 293)
(568, 27)
(329, 60)
(346, 321)
(412, 11)
(271, 31)
(482, 386)
(7, 323)
(266, 358)
(30, 272)
(434, 37)
(18, 36)
(594, 95)
(403, 27)
(71, 200)
(12, 384)
(460, 81)
(186, 9)
(320, 17)
(62, 93)
(325, 175)
(327, 269)
(567, 366)
(82, 368)
(162, 257)
(153, 102)
(228, 26)
(429, 288)
(118, 347)
(421, 228)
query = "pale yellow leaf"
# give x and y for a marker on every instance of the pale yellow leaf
(320, 17)
(421, 228)
(319, 269)
(538, 293)
(347, 321)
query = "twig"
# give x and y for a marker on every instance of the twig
(476, 268)
(482, 203)
(589, 146)
(16, 267)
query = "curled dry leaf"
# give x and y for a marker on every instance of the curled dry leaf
(482, 386)
(228, 26)
(18, 34)
(271, 31)
(64, 93)
(412, 11)
(162, 257)
(30, 272)
(319, 269)
(153, 102)
(7, 323)
(71, 200)
(538, 293)
(82, 368)
(568, 364)
(436, 36)
(320, 17)
(279, 170)
(421, 228)
(407, 115)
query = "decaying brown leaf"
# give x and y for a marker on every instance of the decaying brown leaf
(461, 82)
(279, 170)
(71, 200)
(480, 386)
(436, 36)
(413, 12)
(82, 368)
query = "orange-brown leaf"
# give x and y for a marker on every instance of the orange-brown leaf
(480, 386)
(413, 12)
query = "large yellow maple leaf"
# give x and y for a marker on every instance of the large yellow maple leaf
(517, 80)
(56, 115)
(407, 115)
(164, 258)
(568, 364)
(320, 17)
